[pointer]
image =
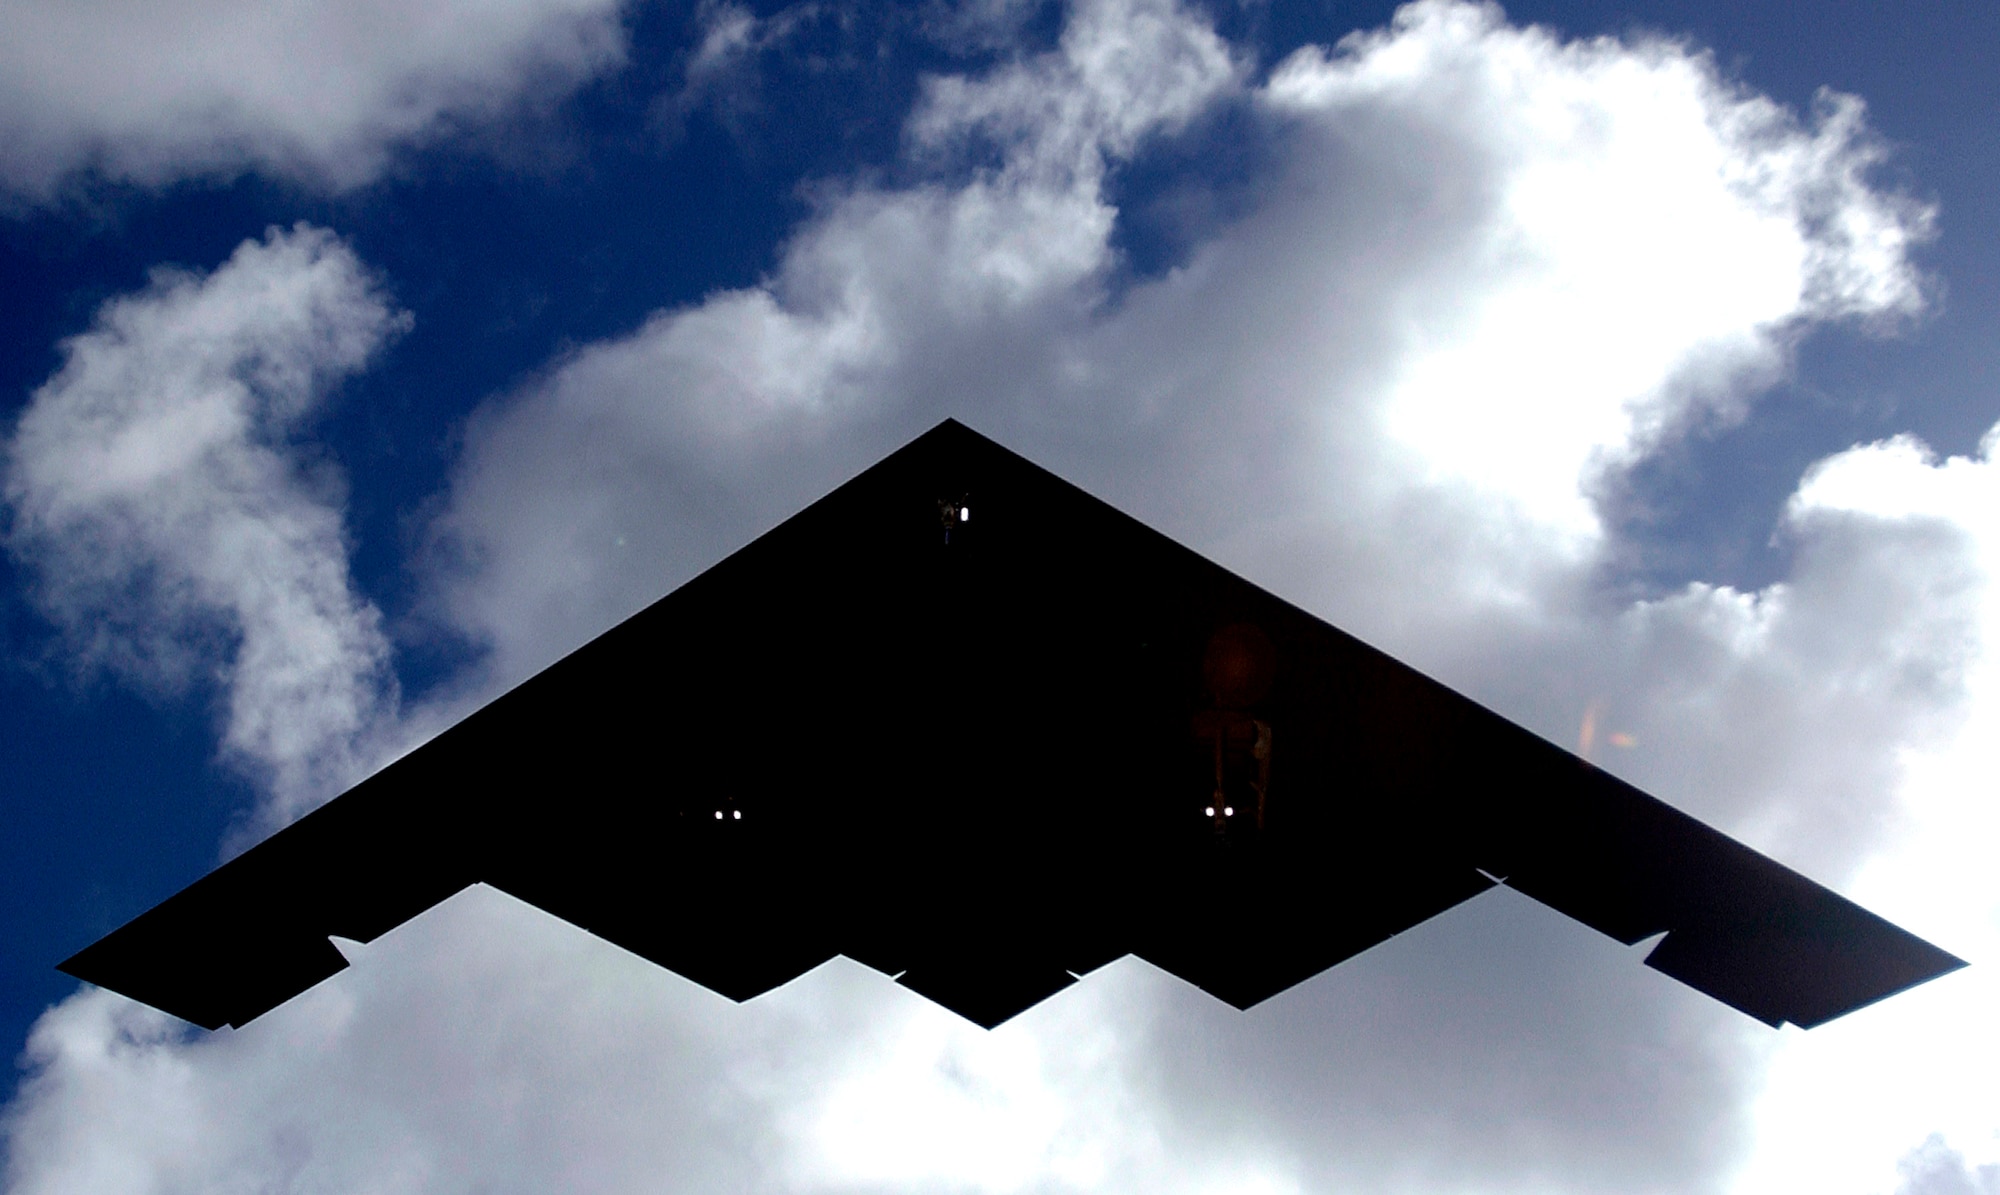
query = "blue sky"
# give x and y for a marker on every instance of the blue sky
(1626, 365)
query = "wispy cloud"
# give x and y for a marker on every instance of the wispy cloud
(319, 94)
(721, 75)
(181, 531)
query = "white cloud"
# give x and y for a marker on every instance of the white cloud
(151, 93)
(179, 530)
(1480, 267)
(887, 294)
(488, 1047)
(1927, 1057)
(1648, 234)
(1486, 267)
(1934, 1168)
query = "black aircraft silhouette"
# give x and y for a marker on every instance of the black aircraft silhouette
(966, 724)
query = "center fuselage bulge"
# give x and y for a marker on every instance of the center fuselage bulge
(984, 792)
(955, 734)
(966, 733)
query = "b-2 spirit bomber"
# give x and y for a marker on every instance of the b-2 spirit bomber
(968, 725)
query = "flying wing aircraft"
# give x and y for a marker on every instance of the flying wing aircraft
(964, 723)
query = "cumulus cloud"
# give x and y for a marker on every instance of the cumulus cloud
(486, 1046)
(1928, 1055)
(180, 532)
(1480, 269)
(1934, 1168)
(889, 294)
(321, 94)
(1598, 169)
(1485, 268)
(1421, 243)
